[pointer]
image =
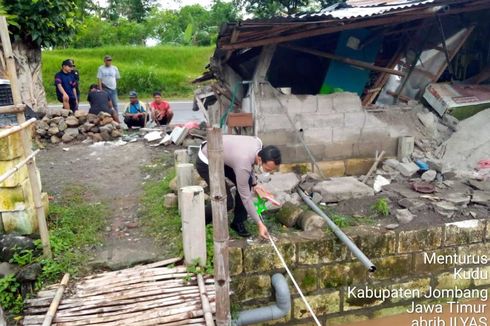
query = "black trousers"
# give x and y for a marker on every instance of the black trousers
(240, 213)
(140, 122)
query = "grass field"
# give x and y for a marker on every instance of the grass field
(167, 68)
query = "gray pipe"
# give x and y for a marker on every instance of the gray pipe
(338, 232)
(275, 311)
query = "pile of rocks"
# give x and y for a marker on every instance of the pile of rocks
(60, 125)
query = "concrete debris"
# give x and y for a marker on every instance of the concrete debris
(289, 214)
(342, 188)
(407, 169)
(392, 226)
(450, 121)
(469, 144)
(404, 216)
(429, 121)
(445, 208)
(429, 175)
(282, 182)
(309, 221)
(392, 163)
(178, 135)
(379, 182)
(152, 136)
(316, 197)
(457, 198)
(480, 185)
(58, 126)
(413, 205)
(170, 200)
(481, 197)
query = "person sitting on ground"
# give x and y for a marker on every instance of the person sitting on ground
(100, 101)
(66, 85)
(242, 155)
(135, 114)
(161, 112)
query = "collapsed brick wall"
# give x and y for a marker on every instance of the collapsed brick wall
(325, 269)
(333, 126)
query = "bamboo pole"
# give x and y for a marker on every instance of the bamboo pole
(26, 140)
(12, 109)
(220, 225)
(13, 130)
(56, 301)
(374, 166)
(16, 168)
(206, 308)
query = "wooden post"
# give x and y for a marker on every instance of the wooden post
(184, 179)
(220, 225)
(181, 156)
(193, 224)
(26, 138)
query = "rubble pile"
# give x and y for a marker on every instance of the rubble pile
(60, 125)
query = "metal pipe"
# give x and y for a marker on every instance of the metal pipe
(278, 310)
(338, 232)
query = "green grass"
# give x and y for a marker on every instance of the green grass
(75, 226)
(166, 68)
(161, 223)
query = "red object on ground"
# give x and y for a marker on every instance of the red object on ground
(484, 164)
(423, 187)
(191, 125)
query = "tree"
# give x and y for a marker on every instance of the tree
(133, 10)
(38, 24)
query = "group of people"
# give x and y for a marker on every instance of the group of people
(102, 96)
(244, 156)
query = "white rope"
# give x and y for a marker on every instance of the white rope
(294, 281)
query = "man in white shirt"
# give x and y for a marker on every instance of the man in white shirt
(108, 76)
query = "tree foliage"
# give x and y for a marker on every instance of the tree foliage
(42, 23)
(133, 10)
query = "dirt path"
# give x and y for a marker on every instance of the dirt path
(113, 175)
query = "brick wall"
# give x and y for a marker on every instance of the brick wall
(334, 126)
(324, 269)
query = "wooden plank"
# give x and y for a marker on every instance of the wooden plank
(206, 307)
(201, 107)
(348, 61)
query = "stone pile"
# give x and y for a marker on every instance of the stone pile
(60, 125)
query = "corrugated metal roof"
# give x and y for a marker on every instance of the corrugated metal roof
(373, 3)
(356, 12)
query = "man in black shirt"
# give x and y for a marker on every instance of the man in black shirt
(100, 101)
(76, 74)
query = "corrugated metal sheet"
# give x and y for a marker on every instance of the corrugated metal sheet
(359, 12)
(374, 3)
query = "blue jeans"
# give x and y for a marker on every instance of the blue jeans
(113, 95)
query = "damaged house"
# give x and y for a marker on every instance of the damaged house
(344, 82)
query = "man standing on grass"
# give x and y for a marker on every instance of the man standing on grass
(66, 86)
(161, 112)
(108, 76)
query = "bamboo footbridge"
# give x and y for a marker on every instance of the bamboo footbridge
(153, 294)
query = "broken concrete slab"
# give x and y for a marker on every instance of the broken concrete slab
(391, 162)
(379, 182)
(401, 189)
(445, 208)
(457, 198)
(413, 205)
(342, 188)
(170, 200)
(316, 197)
(404, 216)
(481, 197)
(480, 185)
(282, 182)
(392, 226)
(429, 175)
(407, 169)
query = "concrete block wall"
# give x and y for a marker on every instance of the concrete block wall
(17, 212)
(325, 269)
(334, 126)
